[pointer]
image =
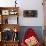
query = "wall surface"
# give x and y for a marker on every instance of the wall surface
(27, 5)
(32, 5)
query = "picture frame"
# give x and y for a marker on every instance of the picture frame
(30, 13)
(13, 12)
(5, 12)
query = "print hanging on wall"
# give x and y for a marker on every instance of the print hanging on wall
(30, 13)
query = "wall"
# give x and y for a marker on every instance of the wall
(27, 5)
(32, 5)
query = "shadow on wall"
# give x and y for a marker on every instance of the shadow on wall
(37, 29)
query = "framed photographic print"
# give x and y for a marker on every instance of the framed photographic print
(12, 12)
(5, 12)
(30, 13)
